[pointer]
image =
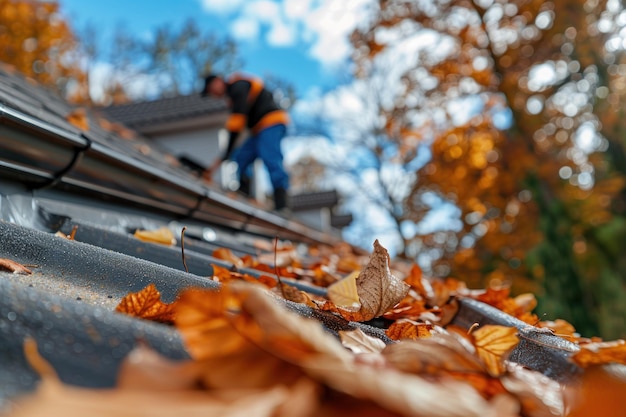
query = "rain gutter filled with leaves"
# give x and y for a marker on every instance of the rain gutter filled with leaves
(100, 288)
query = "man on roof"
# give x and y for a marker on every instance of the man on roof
(253, 107)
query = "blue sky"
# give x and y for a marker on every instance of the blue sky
(301, 41)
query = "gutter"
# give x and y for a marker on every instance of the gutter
(41, 155)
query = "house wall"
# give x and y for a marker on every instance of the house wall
(201, 146)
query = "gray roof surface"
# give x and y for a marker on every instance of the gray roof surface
(28, 97)
(313, 200)
(164, 110)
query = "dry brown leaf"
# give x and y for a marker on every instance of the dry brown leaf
(440, 353)
(409, 308)
(15, 267)
(279, 258)
(162, 235)
(291, 293)
(182, 395)
(78, 118)
(405, 394)
(377, 288)
(408, 329)
(539, 395)
(227, 255)
(419, 283)
(359, 342)
(56, 400)
(146, 304)
(561, 328)
(493, 343)
(286, 334)
(600, 353)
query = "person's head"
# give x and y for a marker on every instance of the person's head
(214, 85)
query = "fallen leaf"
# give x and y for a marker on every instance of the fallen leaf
(291, 293)
(146, 304)
(539, 395)
(359, 342)
(15, 267)
(162, 235)
(440, 353)
(493, 343)
(600, 353)
(78, 118)
(344, 293)
(408, 329)
(561, 328)
(377, 288)
(227, 255)
(419, 283)
(409, 308)
(279, 258)
(402, 393)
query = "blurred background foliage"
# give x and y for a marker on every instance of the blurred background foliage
(537, 167)
(538, 171)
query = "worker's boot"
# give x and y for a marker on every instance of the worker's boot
(280, 199)
(244, 186)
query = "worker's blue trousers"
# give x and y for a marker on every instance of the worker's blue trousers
(264, 145)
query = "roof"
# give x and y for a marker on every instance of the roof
(313, 200)
(145, 113)
(102, 183)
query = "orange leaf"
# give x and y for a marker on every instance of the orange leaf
(601, 353)
(228, 255)
(12, 266)
(162, 235)
(492, 344)
(408, 329)
(146, 304)
(220, 273)
(420, 284)
(78, 118)
(408, 308)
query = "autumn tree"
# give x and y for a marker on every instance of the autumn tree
(521, 101)
(170, 62)
(39, 43)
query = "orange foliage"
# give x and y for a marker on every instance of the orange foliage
(146, 304)
(40, 44)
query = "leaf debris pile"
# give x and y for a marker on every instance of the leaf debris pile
(251, 356)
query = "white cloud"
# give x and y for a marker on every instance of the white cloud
(245, 29)
(266, 11)
(281, 34)
(331, 24)
(221, 6)
(296, 9)
(264, 14)
(323, 26)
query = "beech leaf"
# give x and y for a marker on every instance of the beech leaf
(492, 344)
